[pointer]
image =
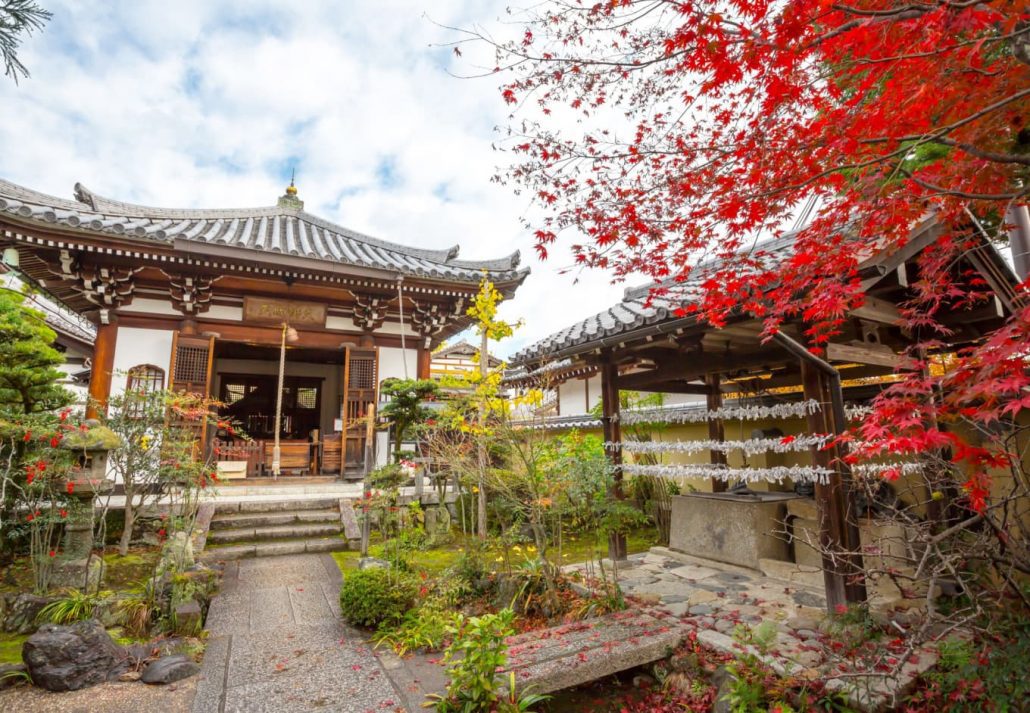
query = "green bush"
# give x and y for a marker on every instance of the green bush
(370, 597)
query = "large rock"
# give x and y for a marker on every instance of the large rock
(23, 612)
(169, 670)
(67, 658)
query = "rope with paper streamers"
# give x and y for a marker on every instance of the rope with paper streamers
(777, 474)
(724, 413)
(867, 469)
(783, 444)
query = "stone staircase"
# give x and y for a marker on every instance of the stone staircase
(280, 527)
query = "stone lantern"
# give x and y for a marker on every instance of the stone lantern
(86, 480)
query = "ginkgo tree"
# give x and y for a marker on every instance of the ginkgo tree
(486, 384)
(657, 134)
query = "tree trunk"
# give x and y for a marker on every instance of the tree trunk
(130, 517)
(484, 372)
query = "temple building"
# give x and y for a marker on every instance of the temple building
(203, 300)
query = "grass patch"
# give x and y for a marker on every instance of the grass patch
(10, 647)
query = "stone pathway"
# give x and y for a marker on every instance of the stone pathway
(277, 643)
(714, 600)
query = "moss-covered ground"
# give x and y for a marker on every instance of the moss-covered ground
(121, 573)
(434, 560)
(10, 647)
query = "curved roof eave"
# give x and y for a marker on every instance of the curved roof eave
(271, 229)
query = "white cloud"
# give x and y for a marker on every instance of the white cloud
(210, 104)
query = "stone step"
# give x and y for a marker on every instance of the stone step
(278, 532)
(232, 520)
(272, 549)
(277, 505)
(577, 653)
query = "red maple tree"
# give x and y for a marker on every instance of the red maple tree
(666, 132)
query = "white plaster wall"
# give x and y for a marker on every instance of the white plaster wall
(137, 346)
(572, 397)
(226, 312)
(683, 399)
(392, 359)
(145, 305)
(346, 324)
(594, 391)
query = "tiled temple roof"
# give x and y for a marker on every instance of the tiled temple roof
(284, 229)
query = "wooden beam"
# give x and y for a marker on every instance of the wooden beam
(693, 366)
(878, 355)
(994, 309)
(877, 310)
(829, 513)
(610, 425)
(425, 360)
(674, 388)
(716, 431)
(101, 375)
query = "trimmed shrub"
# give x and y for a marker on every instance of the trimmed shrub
(370, 597)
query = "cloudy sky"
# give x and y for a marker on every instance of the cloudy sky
(211, 104)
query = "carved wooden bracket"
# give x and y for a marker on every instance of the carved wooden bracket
(369, 312)
(430, 319)
(190, 294)
(106, 287)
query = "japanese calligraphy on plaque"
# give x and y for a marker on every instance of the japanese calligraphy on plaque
(273, 311)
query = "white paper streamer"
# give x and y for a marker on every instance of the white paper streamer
(796, 473)
(725, 413)
(877, 468)
(854, 413)
(749, 447)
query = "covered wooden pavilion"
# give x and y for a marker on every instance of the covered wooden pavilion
(642, 344)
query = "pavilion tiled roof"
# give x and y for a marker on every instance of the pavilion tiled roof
(281, 229)
(640, 307)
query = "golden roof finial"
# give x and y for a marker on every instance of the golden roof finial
(289, 199)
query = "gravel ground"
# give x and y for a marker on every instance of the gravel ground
(105, 698)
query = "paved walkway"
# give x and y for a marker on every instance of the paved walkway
(278, 644)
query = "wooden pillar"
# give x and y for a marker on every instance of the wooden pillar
(827, 496)
(613, 434)
(103, 369)
(425, 360)
(716, 430)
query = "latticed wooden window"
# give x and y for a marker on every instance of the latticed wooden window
(143, 380)
(191, 364)
(362, 372)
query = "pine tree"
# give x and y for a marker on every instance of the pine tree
(28, 361)
(18, 18)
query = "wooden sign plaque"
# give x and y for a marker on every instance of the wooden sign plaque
(266, 310)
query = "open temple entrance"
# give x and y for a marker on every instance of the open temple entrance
(326, 396)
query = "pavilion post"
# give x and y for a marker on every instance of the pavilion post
(101, 374)
(716, 430)
(824, 384)
(826, 505)
(613, 434)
